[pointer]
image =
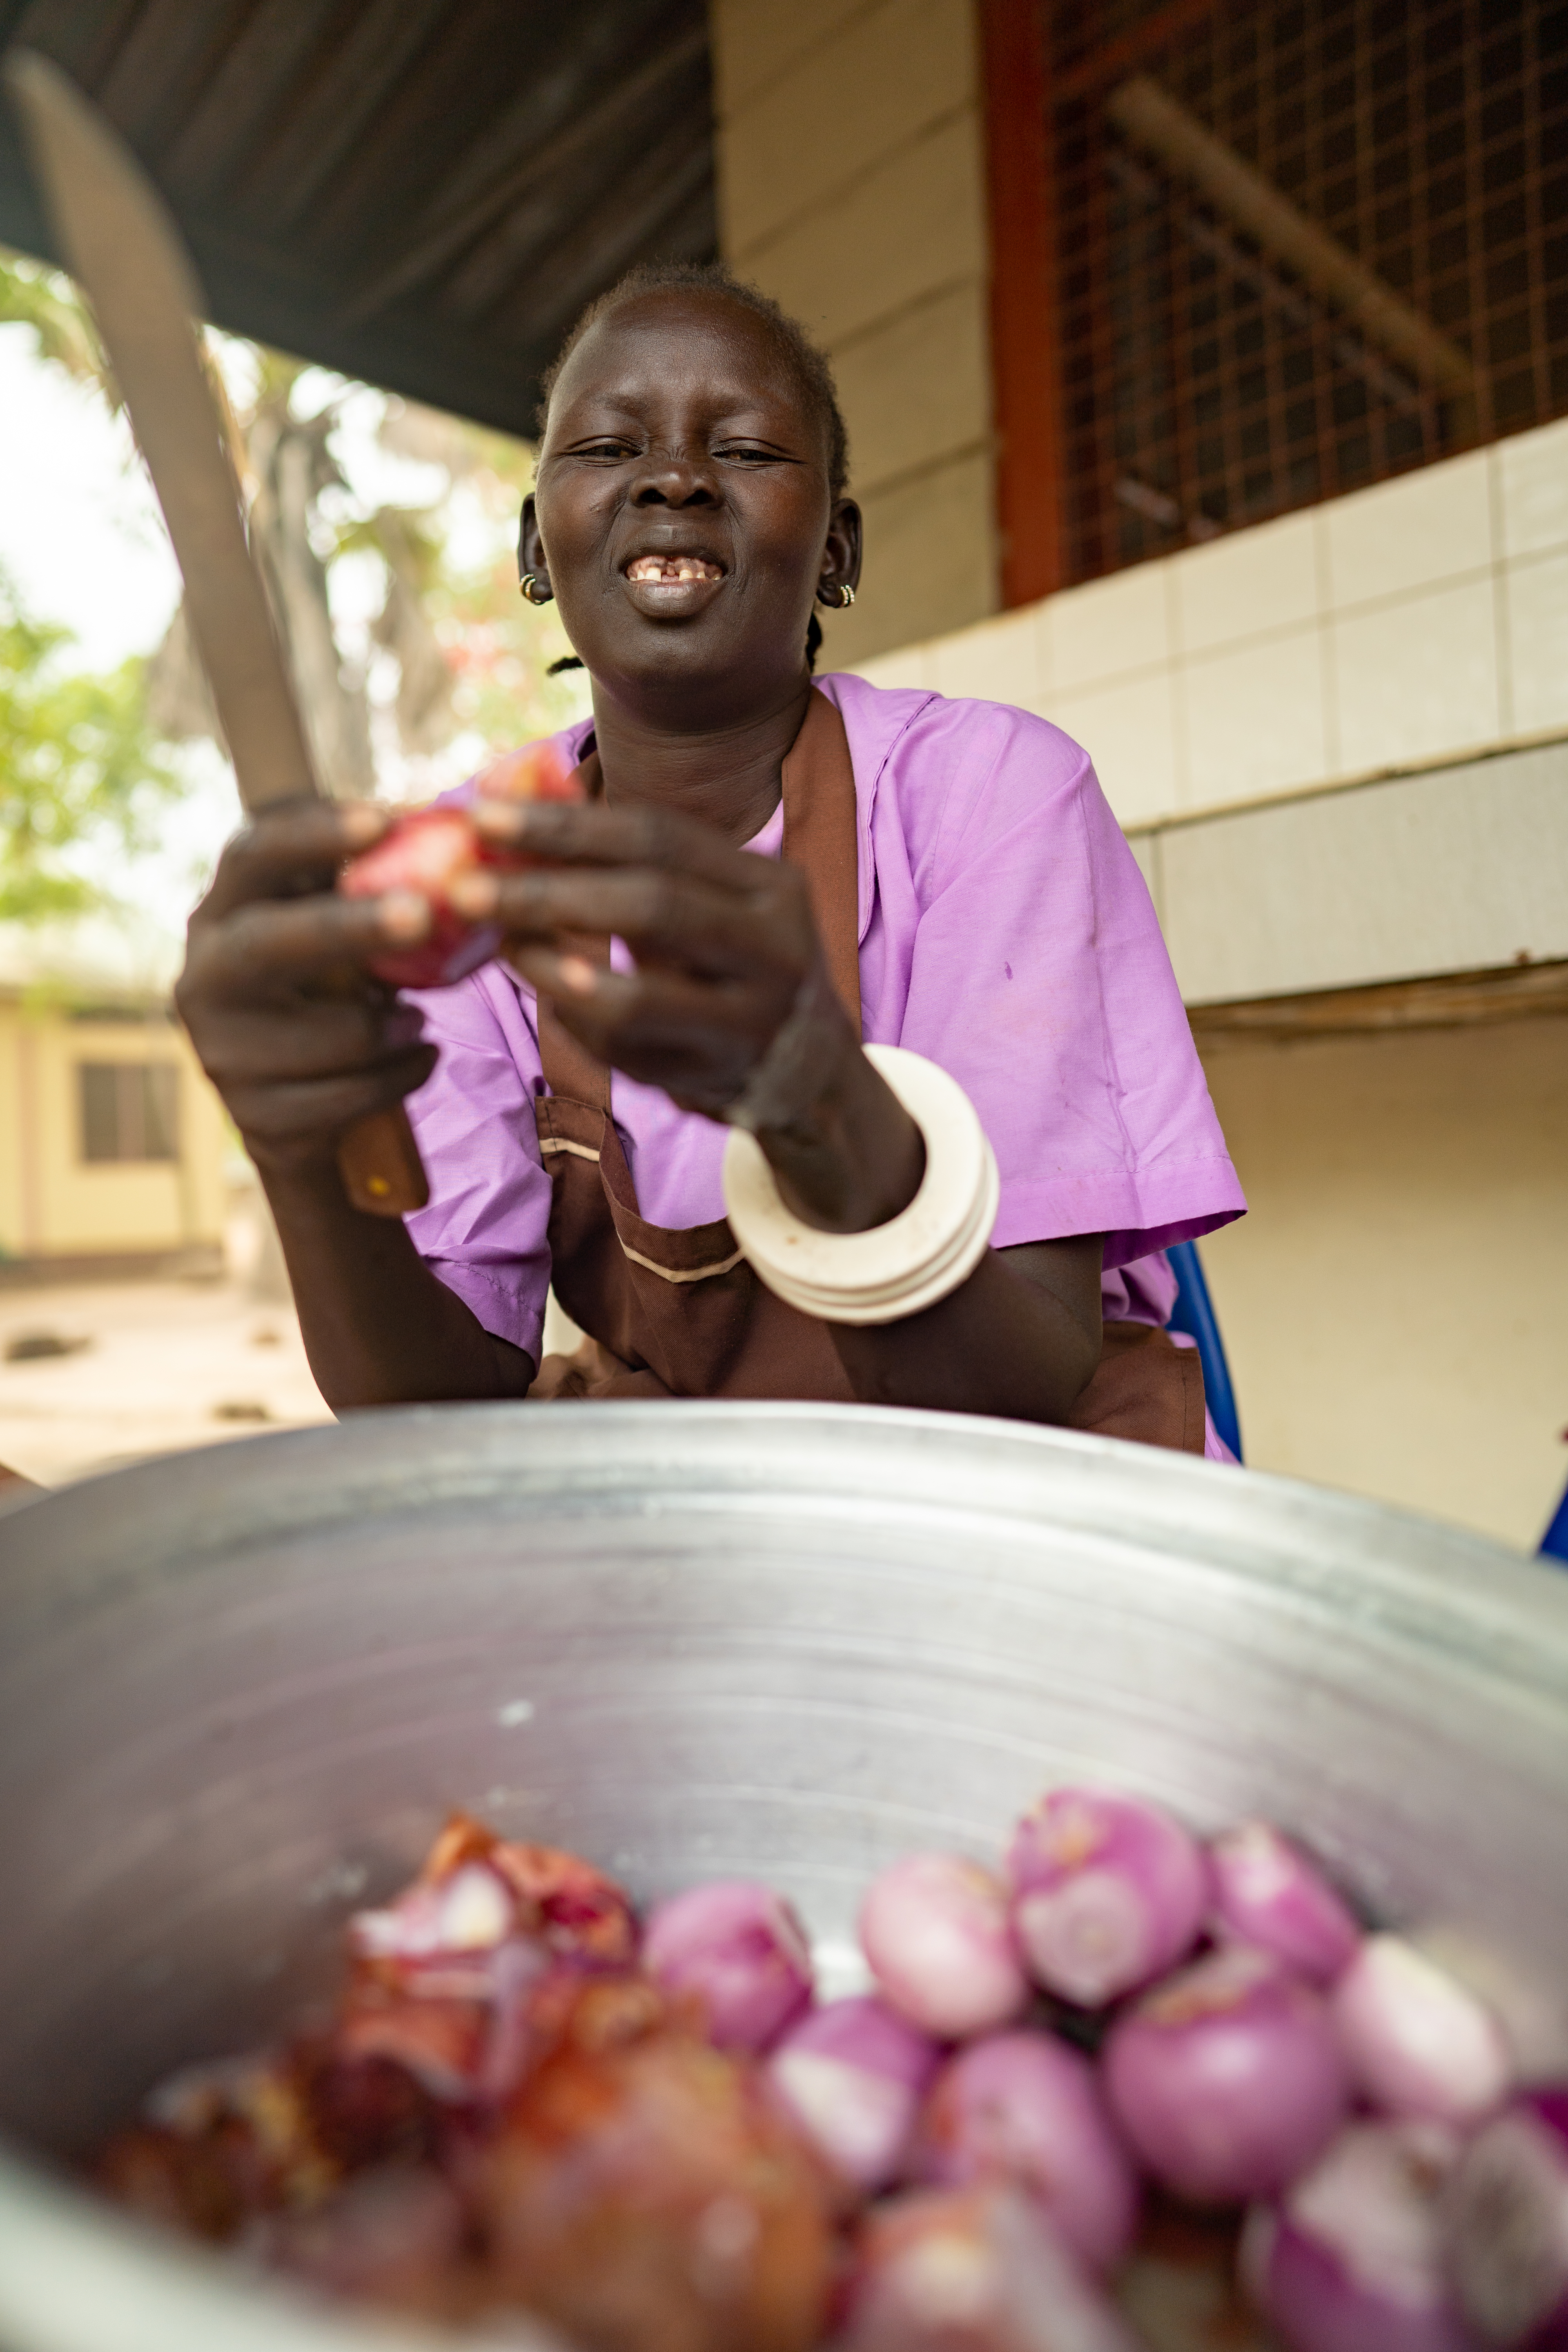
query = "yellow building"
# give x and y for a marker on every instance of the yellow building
(112, 1142)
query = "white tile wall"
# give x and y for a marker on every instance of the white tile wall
(1536, 641)
(1418, 678)
(1532, 469)
(1424, 616)
(1254, 581)
(1110, 627)
(1255, 719)
(1402, 535)
(1130, 730)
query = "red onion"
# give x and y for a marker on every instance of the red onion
(741, 1949)
(1352, 2259)
(1268, 1893)
(1506, 2212)
(1227, 2079)
(976, 2270)
(934, 1929)
(852, 2076)
(1025, 2107)
(1107, 1894)
(1417, 2042)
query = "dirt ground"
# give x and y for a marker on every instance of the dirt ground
(153, 1366)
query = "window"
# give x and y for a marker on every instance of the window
(130, 1110)
(1222, 190)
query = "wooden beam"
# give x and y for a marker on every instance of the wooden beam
(1463, 1000)
(1159, 124)
(1027, 401)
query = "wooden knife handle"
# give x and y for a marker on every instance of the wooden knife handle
(382, 1171)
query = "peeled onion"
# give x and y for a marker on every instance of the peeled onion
(1227, 2079)
(1416, 2041)
(1352, 2259)
(741, 1950)
(1507, 2222)
(976, 2270)
(1267, 1893)
(934, 1930)
(1027, 2108)
(852, 2075)
(1107, 1894)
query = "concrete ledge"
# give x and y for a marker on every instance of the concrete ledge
(203, 1262)
(1454, 1001)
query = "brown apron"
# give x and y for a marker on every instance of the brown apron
(677, 1310)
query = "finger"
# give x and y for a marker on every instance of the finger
(596, 836)
(664, 916)
(295, 846)
(280, 1114)
(330, 1039)
(281, 945)
(659, 1027)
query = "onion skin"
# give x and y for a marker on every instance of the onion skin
(1027, 2108)
(1417, 2042)
(1107, 1894)
(1352, 2260)
(1266, 1894)
(976, 2270)
(851, 2076)
(1227, 2079)
(739, 1950)
(642, 2191)
(1506, 2214)
(935, 1932)
(426, 849)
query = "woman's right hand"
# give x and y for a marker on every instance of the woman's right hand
(289, 1025)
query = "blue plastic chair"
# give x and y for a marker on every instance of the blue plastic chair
(1554, 1542)
(1193, 1313)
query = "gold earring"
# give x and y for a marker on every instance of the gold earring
(526, 586)
(839, 602)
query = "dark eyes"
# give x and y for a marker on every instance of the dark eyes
(746, 453)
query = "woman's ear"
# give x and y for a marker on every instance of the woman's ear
(532, 563)
(841, 556)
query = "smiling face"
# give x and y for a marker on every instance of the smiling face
(683, 515)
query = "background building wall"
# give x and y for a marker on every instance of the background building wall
(851, 187)
(54, 1203)
(1395, 1304)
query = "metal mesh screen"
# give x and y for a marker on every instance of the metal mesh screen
(1215, 368)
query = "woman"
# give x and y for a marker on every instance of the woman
(951, 881)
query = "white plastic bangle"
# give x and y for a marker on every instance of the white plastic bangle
(896, 1269)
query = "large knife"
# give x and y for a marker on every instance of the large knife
(124, 251)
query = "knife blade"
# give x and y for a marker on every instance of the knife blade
(122, 247)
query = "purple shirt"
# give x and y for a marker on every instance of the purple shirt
(1005, 932)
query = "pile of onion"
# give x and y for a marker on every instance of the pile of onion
(655, 2134)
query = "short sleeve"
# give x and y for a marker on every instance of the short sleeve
(486, 1230)
(1039, 976)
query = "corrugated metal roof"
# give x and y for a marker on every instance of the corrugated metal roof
(422, 192)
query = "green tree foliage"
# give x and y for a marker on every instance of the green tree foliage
(78, 769)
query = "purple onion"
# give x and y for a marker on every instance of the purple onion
(934, 1930)
(1506, 2212)
(741, 1950)
(1267, 1893)
(1227, 2079)
(1107, 1894)
(1025, 2107)
(1419, 2043)
(977, 2270)
(1352, 2259)
(852, 2076)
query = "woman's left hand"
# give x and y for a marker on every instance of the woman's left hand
(723, 941)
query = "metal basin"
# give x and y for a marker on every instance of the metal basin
(238, 1690)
